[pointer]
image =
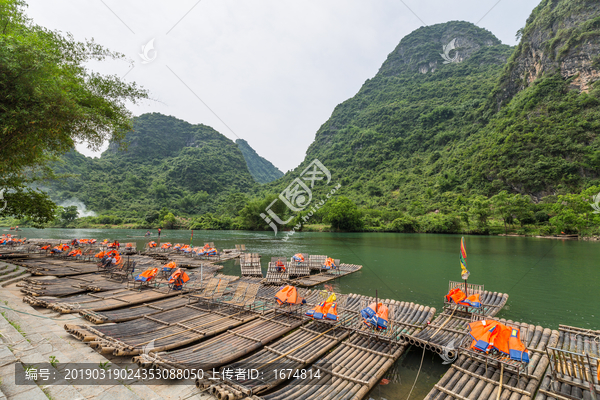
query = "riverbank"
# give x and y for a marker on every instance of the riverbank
(496, 230)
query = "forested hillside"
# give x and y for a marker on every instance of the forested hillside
(455, 133)
(443, 147)
(261, 169)
(164, 163)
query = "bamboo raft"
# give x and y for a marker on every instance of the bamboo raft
(163, 331)
(226, 347)
(325, 275)
(349, 372)
(299, 268)
(372, 349)
(273, 276)
(250, 265)
(451, 326)
(135, 312)
(68, 286)
(208, 288)
(575, 360)
(55, 266)
(102, 301)
(482, 377)
(291, 351)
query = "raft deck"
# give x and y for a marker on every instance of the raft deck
(325, 275)
(479, 378)
(451, 326)
(575, 361)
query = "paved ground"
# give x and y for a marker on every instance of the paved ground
(31, 335)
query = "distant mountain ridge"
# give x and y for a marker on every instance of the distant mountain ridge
(262, 170)
(423, 134)
(168, 163)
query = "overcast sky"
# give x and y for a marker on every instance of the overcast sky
(271, 71)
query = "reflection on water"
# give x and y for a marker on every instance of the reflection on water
(549, 282)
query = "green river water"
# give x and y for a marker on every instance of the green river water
(549, 282)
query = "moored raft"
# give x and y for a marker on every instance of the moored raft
(130, 313)
(575, 361)
(68, 286)
(250, 265)
(326, 275)
(479, 377)
(226, 347)
(297, 350)
(352, 379)
(102, 301)
(451, 326)
(349, 371)
(163, 331)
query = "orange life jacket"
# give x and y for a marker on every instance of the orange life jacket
(500, 338)
(170, 265)
(288, 294)
(179, 274)
(517, 350)
(376, 316)
(149, 273)
(481, 332)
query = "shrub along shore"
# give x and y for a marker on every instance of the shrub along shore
(504, 213)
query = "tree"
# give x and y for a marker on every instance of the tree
(503, 207)
(170, 221)
(49, 101)
(69, 214)
(480, 210)
(343, 215)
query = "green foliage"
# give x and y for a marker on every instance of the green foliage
(53, 361)
(169, 222)
(439, 223)
(411, 152)
(262, 170)
(343, 215)
(189, 169)
(69, 214)
(405, 224)
(49, 100)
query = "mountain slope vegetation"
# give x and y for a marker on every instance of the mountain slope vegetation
(455, 133)
(166, 163)
(262, 170)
